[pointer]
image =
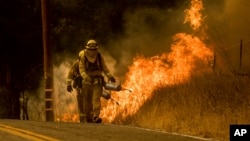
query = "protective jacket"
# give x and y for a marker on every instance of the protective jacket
(92, 66)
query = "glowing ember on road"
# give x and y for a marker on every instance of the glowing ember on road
(188, 52)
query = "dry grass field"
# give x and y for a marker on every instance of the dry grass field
(205, 107)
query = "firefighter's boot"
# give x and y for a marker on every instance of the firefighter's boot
(97, 120)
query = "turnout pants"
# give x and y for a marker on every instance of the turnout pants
(92, 102)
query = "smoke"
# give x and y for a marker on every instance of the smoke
(239, 29)
(148, 32)
(34, 100)
(65, 103)
(236, 12)
(228, 24)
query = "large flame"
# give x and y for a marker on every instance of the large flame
(193, 14)
(188, 53)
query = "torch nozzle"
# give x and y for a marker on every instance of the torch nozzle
(127, 89)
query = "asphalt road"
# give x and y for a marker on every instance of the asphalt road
(20, 130)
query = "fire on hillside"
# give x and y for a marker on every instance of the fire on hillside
(189, 54)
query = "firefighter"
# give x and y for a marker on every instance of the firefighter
(91, 67)
(74, 80)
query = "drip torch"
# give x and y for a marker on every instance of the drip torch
(112, 86)
(115, 86)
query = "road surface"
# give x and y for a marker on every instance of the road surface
(20, 130)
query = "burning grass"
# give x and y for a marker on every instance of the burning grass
(204, 107)
(178, 92)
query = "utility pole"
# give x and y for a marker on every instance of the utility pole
(48, 64)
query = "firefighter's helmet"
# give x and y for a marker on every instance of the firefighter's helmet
(92, 44)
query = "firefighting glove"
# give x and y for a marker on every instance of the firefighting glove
(112, 79)
(69, 88)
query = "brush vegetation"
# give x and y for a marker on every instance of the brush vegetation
(205, 107)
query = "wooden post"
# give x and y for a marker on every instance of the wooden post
(240, 54)
(214, 62)
(48, 65)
